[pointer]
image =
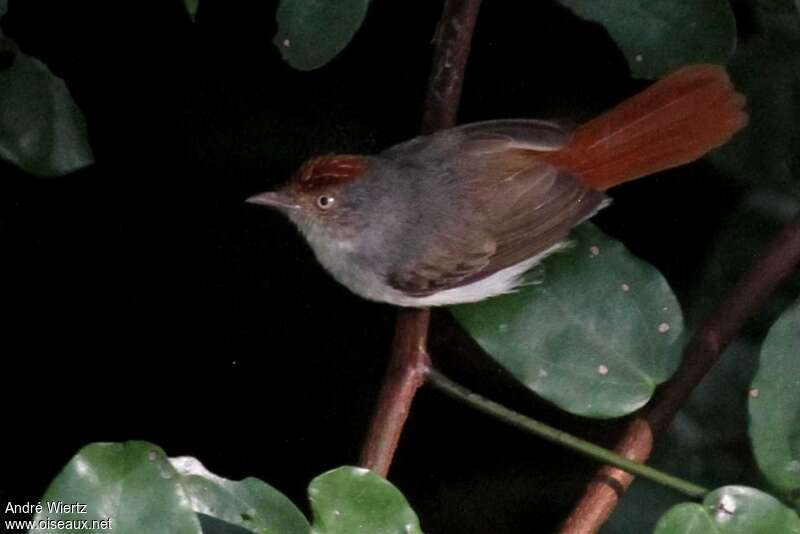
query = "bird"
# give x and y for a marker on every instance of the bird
(462, 214)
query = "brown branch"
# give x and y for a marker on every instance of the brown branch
(602, 495)
(407, 370)
(453, 40)
(409, 361)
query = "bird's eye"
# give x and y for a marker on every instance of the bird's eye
(325, 201)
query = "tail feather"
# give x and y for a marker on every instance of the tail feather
(675, 121)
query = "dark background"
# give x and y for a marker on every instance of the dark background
(142, 299)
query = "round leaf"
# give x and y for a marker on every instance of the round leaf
(352, 500)
(131, 484)
(731, 510)
(138, 489)
(595, 336)
(311, 33)
(686, 518)
(250, 503)
(41, 128)
(191, 7)
(658, 36)
(775, 404)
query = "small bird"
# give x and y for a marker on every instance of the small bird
(460, 215)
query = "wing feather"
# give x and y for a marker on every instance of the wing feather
(520, 207)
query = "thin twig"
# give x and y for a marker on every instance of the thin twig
(409, 360)
(568, 441)
(780, 259)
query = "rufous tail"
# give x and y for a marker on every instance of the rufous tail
(676, 120)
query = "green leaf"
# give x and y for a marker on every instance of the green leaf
(595, 337)
(352, 500)
(41, 128)
(191, 7)
(311, 32)
(775, 405)
(135, 488)
(686, 518)
(766, 69)
(132, 484)
(249, 503)
(140, 490)
(3, 8)
(731, 510)
(658, 36)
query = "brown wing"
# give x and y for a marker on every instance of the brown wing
(509, 134)
(519, 206)
(446, 264)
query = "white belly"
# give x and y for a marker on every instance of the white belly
(503, 281)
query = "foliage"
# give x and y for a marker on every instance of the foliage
(41, 128)
(659, 36)
(311, 33)
(775, 406)
(353, 500)
(731, 510)
(597, 351)
(191, 7)
(134, 487)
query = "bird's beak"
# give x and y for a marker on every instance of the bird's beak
(275, 199)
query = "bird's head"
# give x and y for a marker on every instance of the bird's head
(318, 198)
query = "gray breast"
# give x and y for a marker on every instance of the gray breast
(407, 205)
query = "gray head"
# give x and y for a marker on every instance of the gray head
(322, 197)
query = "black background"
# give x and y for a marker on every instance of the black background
(142, 299)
